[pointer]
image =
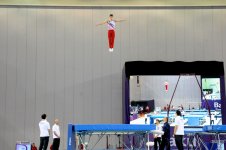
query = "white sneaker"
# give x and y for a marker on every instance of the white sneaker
(110, 49)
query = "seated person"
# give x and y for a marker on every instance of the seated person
(182, 107)
(33, 147)
(147, 109)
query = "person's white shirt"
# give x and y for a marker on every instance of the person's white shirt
(179, 122)
(44, 127)
(56, 129)
(159, 128)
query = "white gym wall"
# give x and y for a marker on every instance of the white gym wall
(55, 60)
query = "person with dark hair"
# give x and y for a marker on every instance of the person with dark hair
(182, 107)
(179, 130)
(44, 127)
(33, 147)
(166, 136)
(111, 30)
(157, 137)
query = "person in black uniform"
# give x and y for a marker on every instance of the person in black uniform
(166, 136)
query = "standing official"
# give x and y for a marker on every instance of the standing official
(179, 130)
(44, 127)
(157, 137)
(166, 136)
(56, 135)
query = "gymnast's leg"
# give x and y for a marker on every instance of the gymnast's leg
(111, 37)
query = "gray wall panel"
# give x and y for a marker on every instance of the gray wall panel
(151, 30)
(3, 71)
(88, 69)
(170, 35)
(207, 29)
(97, 61)
(50, 46)
(179, 34)
(142, 32)
(217, 35)
(133, 26)
(223, 34)
(20, 109)
(78, 60)
(11, 80)
(59, 103)
(125, 37)
(106, 86)
(56, 61)
(188, 35)
(198, 35)
(69, 70)
(41, 106)
(160, 36)
(31, 121)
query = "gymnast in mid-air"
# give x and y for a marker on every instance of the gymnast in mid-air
(111, 30)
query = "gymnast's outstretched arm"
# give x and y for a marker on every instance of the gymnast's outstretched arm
(104, 22)
(120, 20)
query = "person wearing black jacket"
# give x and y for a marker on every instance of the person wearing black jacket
(166, 136)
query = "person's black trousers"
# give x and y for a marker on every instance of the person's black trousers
(157, 143)
(179, 141)
(165, 144)
(44, 141)
(56, 144)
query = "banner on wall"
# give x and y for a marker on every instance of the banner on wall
(211, 92)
